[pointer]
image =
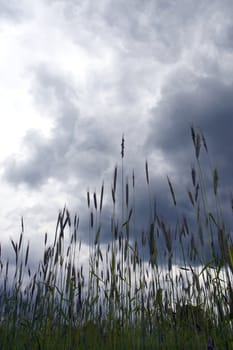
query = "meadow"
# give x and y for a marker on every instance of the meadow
(135, 293)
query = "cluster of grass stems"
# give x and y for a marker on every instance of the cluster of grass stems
(135, 293)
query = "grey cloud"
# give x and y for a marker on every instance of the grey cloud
(75, 147)
(11, 10)
(142, 217)
(161, 29)
(153, 28)
(47, 156)
(224, 37)
(208, 104)
(156, 28)
(187, 100)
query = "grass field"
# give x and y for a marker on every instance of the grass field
(134, 293)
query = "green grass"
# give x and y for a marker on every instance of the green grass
(135, 293)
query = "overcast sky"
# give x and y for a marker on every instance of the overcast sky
(76, 75)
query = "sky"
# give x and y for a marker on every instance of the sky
(77, 75)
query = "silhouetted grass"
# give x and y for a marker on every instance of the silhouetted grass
(134, 293)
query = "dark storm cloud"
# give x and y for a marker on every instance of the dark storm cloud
(207, 103)
(155, 207)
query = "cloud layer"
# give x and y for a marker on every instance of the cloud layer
(96, 70)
